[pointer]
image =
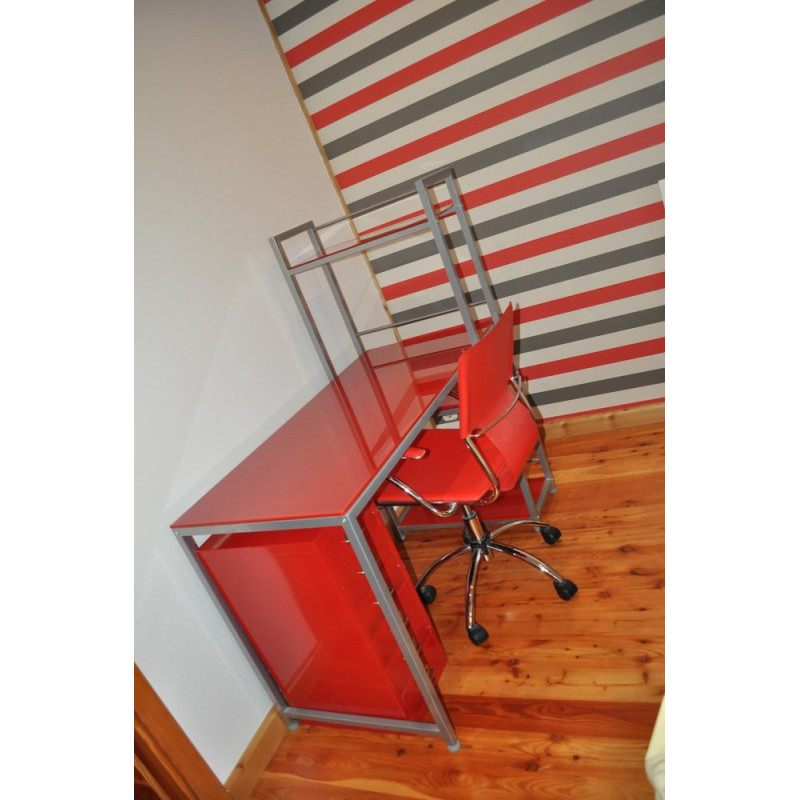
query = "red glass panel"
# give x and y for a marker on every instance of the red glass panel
(318, 463)
(310, 614)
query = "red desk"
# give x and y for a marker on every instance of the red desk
(299, 559)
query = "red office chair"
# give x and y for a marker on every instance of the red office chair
(448, 469)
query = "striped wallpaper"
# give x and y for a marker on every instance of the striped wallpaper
(552, 114)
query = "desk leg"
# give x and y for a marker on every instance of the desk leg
(394, 524)
(397, 625)
(535, 505)
(549, 481)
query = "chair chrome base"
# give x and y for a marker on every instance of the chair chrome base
(482, 545)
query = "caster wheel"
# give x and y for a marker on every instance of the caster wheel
(427, 594)
(477, 634)
(550, 534)
(566, 589)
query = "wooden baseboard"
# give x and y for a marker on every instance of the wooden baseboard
(165, 760)
(645, 414)
(256, 757)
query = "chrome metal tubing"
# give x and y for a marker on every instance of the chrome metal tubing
(444, 511)
(474, 528)
(528, 558)
(484, 464)
(516, 381)
(503, 528)
(371, 489)
(472, 586)
(439, 561)
(488, 471)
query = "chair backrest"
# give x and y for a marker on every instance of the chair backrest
(485, 394)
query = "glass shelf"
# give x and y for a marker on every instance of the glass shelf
(384, 233)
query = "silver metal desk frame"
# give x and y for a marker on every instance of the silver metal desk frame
(442, 726)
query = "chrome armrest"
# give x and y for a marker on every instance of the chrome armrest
(516, 381)
(440, 510)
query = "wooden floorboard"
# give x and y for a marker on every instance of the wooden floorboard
(561, 700)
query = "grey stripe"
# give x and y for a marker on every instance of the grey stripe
(580, 198)
(634, 381)
(526, 216)
(527, 142)
(589, 330)
(502, 73)
(439, 19)
(300, 13)
(581, 268)
(547, 277)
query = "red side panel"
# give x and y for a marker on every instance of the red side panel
(396, 575)
(311, 615)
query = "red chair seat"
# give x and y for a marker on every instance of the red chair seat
(448, 473)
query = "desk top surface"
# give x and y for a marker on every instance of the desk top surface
(322, 459)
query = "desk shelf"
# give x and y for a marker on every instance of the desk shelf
(410, 214)
(363, 241)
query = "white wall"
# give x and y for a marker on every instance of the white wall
(224, 159)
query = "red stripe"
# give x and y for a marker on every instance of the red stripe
(559, 366)
(537, 176)
(533, 248)
(342, 29)
(613, 355)
(568, 165)
(580, 233)
(593, 297)
(558, 90)
(605, 294)
(499, 32)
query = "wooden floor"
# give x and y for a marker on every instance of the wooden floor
(561, 700)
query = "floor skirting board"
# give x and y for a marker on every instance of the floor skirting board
(613, 419)
(256, 757)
